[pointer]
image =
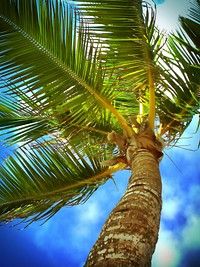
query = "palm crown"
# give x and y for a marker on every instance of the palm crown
(71, 73)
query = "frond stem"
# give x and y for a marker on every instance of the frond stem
(166, 128)
(152, 101)
(107, 172)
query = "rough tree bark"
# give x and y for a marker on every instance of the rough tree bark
(130, 234)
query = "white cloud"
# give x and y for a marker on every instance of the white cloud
(173, 244)
(90, 213)
(170, 208)
(190, 234)
(167, 253)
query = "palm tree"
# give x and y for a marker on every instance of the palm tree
(90, 88)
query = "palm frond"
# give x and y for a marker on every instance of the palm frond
(181, 76)
(18, 124)
(36, 183)
(52, 64)
(191, 25)
(127, 30)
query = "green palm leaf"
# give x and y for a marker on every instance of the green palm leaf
(39, 182)
(19, 124)
(135, 42)
(132, 39)
(182, 78)
(56, 70)
(191, 24)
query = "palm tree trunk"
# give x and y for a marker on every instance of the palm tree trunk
(130, 234)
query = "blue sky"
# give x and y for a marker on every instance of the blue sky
(168, 12)
(159, 2)
(66, 239)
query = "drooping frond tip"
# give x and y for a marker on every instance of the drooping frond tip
(35, 184)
